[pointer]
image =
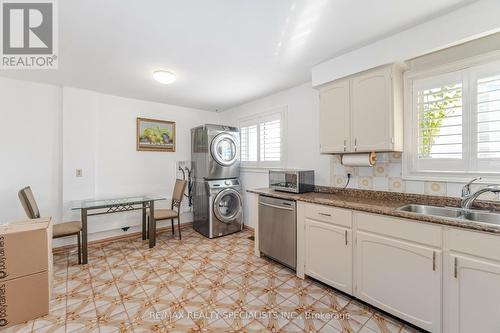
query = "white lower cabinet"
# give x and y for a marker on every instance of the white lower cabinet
(328, 254)
(472, 283)
(400, 277)
(473, 302)
(441, 279)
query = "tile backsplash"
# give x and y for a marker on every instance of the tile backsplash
(386, 175)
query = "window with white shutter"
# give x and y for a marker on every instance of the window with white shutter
(270, 141)
(440, 121)
(488, 117)
(262, 139)
(454, 123)
(249, 143)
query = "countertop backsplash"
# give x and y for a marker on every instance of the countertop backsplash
(386, 175)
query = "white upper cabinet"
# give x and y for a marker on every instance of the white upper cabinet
(371, 112)
(334, 117)
(364, 111)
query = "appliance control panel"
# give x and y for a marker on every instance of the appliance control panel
(223, 183)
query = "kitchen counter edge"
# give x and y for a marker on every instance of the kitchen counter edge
(371, 206)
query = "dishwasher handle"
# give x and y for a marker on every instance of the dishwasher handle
(276, 206)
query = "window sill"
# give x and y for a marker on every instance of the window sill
(487, 178)
(259, 169)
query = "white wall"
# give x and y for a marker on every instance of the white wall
(302, 139)
(47, 132)
(478, 19)
(100, 138)
(29, 146)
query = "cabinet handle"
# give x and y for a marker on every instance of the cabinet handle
(325, 214)
(345, 237)
(345, 145)
(433, 260)
(355, 144)
(455, 270)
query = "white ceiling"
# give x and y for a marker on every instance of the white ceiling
(224, 52)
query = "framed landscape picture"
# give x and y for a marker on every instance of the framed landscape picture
(155, 135)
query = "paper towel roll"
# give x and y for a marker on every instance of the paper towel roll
(356, 160)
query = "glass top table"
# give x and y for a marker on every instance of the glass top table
(111, 202)
(92, 207)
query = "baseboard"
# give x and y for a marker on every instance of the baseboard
(248, 227)
(66, 248)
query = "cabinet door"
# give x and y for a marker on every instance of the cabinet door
(334, 117)
(371, 111)
(328, 254)
(400, 277)
(472, 295)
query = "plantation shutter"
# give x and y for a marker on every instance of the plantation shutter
(262, 139)
(270, 140)
(439, 119)
(488, 117)
(455, 124)
(249, 143)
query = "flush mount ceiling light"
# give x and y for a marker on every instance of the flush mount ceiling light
(164, 77)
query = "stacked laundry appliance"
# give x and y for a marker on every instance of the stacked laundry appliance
(217, 197)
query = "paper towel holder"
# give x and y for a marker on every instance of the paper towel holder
(359, 159)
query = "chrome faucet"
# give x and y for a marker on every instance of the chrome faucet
(469, 200)
(466, 189)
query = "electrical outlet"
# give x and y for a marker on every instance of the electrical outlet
(79, 172)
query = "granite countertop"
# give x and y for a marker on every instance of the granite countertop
(380, 202)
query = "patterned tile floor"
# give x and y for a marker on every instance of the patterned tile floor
(195, 285)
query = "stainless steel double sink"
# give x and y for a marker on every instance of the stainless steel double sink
(453, 212)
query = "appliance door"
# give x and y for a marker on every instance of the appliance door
(227, 205)
(278, 230)
(283, 181)
(224, 149)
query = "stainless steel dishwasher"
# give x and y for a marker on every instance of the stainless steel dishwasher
(278, 230)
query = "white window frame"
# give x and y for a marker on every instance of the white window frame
(257, 119)
(411, 169)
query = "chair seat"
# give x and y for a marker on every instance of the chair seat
(66, 228)
(164, 214)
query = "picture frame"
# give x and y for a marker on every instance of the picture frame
(155, 135)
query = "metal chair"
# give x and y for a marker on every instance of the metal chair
(58, 230)
(171, 214)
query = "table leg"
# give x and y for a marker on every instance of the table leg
(84, 236)
(152, 225)
(143, 221)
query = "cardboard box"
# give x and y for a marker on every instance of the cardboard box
(23, 299)
(25, 270)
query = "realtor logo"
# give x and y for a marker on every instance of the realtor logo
(28, 35)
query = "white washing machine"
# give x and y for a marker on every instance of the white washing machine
(215, 152)
(217, 207)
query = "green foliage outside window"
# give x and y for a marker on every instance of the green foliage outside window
(441, 103)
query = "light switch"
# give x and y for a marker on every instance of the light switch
(79, 172)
